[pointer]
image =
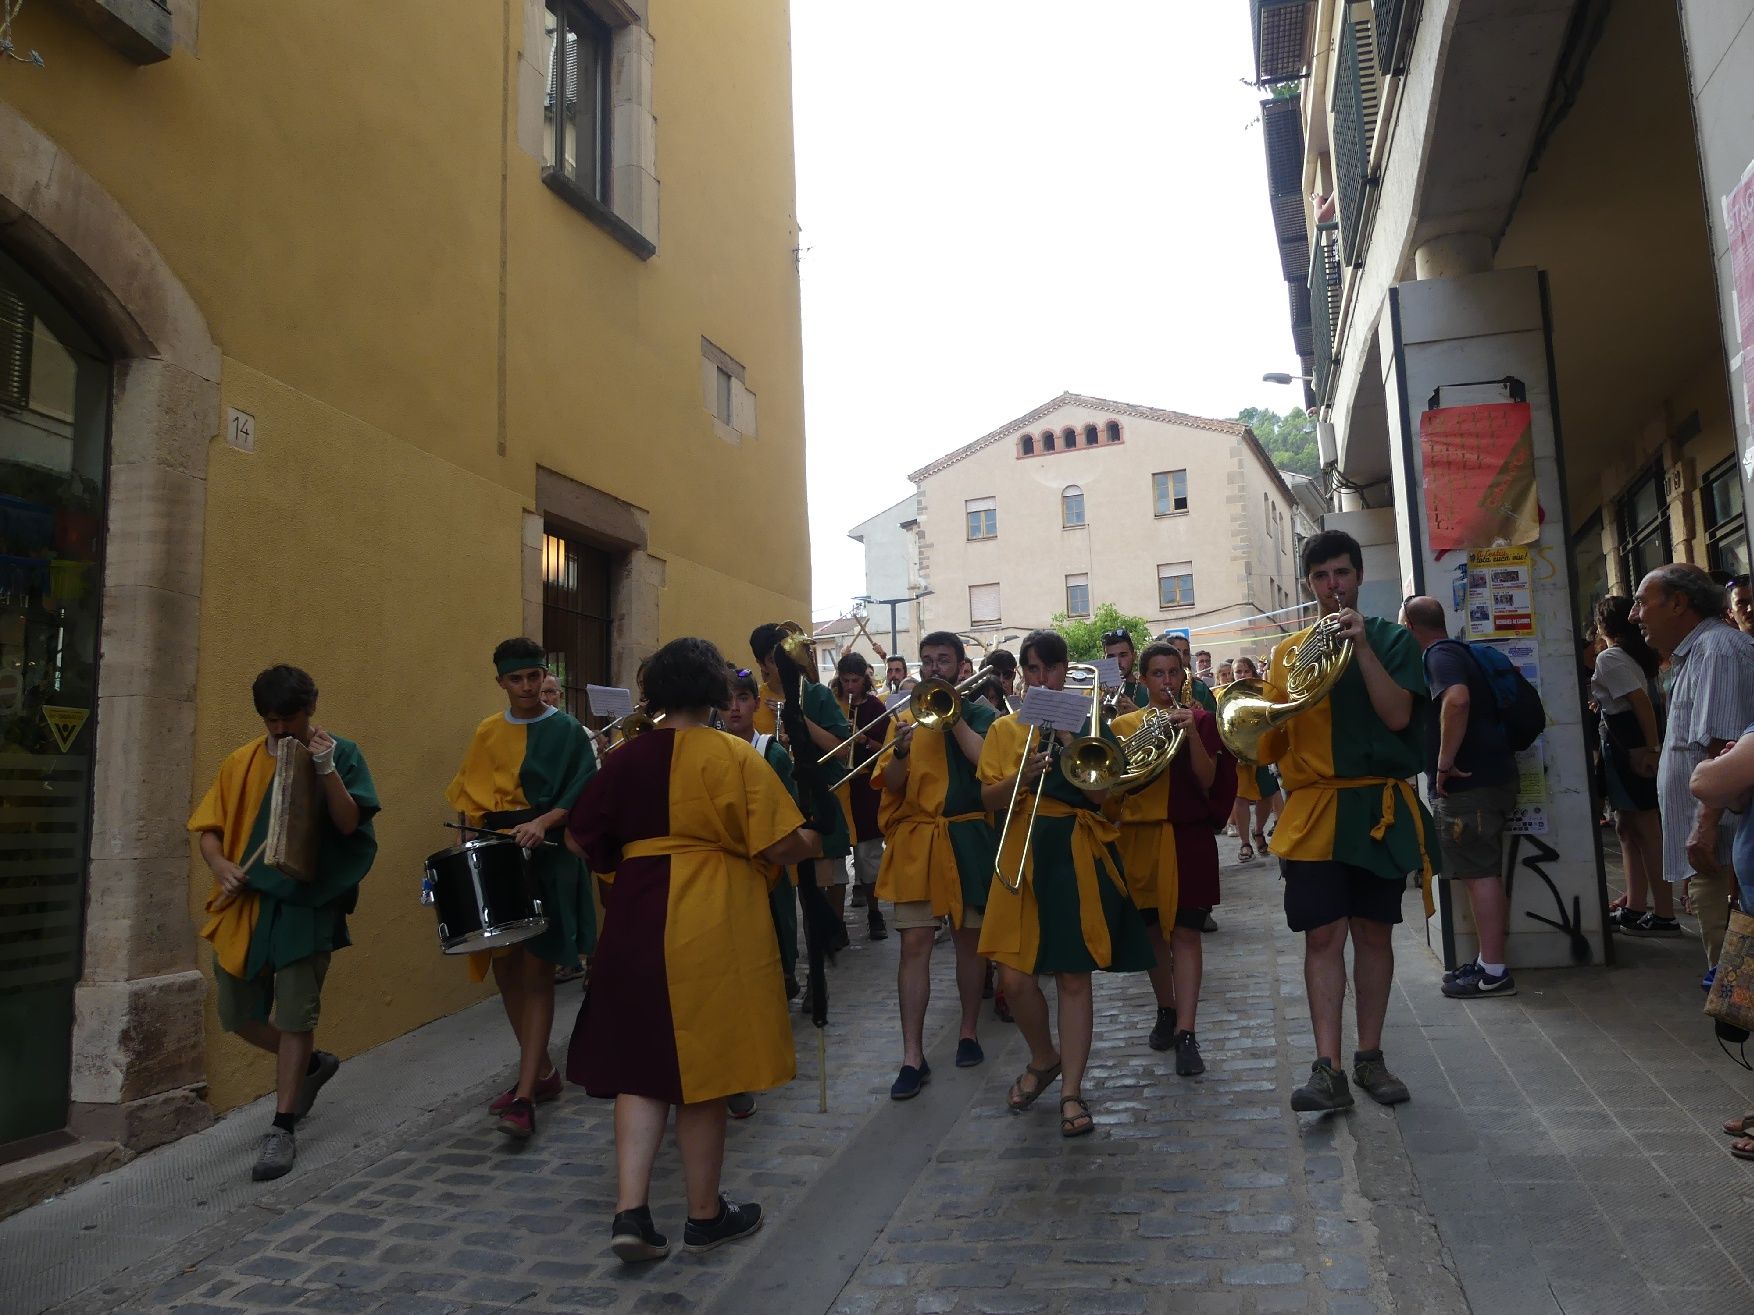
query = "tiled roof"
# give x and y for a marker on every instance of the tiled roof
(1022, 422)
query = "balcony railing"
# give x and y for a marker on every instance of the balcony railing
(1356, 83)
(1395, 21)
(1281, 32)
(1324, 310)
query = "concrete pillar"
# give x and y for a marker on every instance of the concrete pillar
(1453, 255)
(1442, 332)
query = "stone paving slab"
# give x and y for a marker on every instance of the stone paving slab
(1560, 1155)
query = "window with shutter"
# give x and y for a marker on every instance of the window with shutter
(983, 604)
(1077, 595)
(983, 518)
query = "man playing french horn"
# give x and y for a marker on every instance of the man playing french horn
(1342, 712)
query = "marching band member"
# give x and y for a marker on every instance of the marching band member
(1257, 791)
(1070, 914)
(937, 862)
(521, 773)
(1169, 846)
(272, 936)
(1353, 827)
(861, 706)
(1202, 692)
(1118, 644)
(1004, 664)
(685, 1006)
(827, 729)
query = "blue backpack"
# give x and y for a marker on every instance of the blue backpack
(1519, 705)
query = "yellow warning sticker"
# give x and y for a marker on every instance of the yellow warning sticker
(65, 723)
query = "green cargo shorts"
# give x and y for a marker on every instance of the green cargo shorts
(293, 994)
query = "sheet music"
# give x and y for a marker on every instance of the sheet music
(1108, 672)
(608, 701)
(1056, 709)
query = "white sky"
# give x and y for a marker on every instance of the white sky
(1002, 200)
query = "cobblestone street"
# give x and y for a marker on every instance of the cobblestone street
(1560, 1154)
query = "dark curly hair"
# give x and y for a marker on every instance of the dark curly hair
(687, 673)
(1614, 623)
(521, 647)
(283, 691)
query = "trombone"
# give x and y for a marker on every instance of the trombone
(1089, 762)
(934, 704)
(639, 721)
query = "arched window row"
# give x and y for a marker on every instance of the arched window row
(1069, 439)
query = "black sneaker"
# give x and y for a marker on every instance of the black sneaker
(1210, 925)
(1480, 984)
(1188, 1063)
(1163, 1030)
(840, 940)
(1623, 918)
(1326, 1089)
(633, 1239)
(1466, 972)
(1651, 925)
(1370, 1072)
(857, 899)
(734, 1222)
(875, 928)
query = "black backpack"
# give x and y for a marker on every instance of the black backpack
(1519, 705)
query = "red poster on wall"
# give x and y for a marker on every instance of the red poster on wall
(1479, 476)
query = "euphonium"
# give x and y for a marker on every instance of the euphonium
(1246, 715)
(1090, 762)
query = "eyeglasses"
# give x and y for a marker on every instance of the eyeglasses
(1118, 637)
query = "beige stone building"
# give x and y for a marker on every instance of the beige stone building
(1176, 518)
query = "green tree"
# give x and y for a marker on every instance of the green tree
(1290, 439)
(1083, 635)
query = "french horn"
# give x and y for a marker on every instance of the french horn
(1246, 715)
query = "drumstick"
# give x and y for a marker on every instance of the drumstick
(226, 897)
(489, 831)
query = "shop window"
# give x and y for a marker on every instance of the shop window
(1644, 527)
(1726, 531)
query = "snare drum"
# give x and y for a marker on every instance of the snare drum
(484, 894)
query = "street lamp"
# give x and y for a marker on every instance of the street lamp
(1277, 377)
(892, 604)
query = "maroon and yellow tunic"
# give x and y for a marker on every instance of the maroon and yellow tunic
(1169, 829)
(687, 1001)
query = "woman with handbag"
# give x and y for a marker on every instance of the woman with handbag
(1620, 687)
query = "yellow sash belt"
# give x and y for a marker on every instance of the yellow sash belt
(1092, 834)
(1391, 787)
(943, 877)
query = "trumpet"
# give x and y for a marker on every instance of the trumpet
(1246, 714)
(934, 704)
(1089, 762)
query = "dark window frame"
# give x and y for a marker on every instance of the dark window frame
(1633, 536)
(1721, 533)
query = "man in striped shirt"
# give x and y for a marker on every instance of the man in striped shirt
(1681, 611)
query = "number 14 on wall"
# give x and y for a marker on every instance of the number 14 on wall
(240, 429)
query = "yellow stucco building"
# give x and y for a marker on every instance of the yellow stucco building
(356, 337)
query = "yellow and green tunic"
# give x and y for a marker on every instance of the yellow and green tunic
(275, 920)
(939, 843)
(1347, 795)
(686, 1002)
(1072, 913)
(1169, 828)
(518, 770)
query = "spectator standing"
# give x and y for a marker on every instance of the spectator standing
(1742, 604)
(1471, 772)
(1621, 687)
(1711, 699)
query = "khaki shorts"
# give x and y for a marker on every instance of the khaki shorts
(867, 857)
(914, 913)
(293, 994)
(1470, 829)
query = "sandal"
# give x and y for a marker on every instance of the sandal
(1019, 1099)
(1743, 1148)
(1246, 853)
(1081, 1124)
(1261, 841)
(1741, 1126)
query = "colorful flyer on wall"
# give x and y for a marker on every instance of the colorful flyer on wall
(1500, 596)
(1479, 476)
(1529, 818)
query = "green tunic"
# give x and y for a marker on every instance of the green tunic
(821, 707)
(297, 919)
(783, 898)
